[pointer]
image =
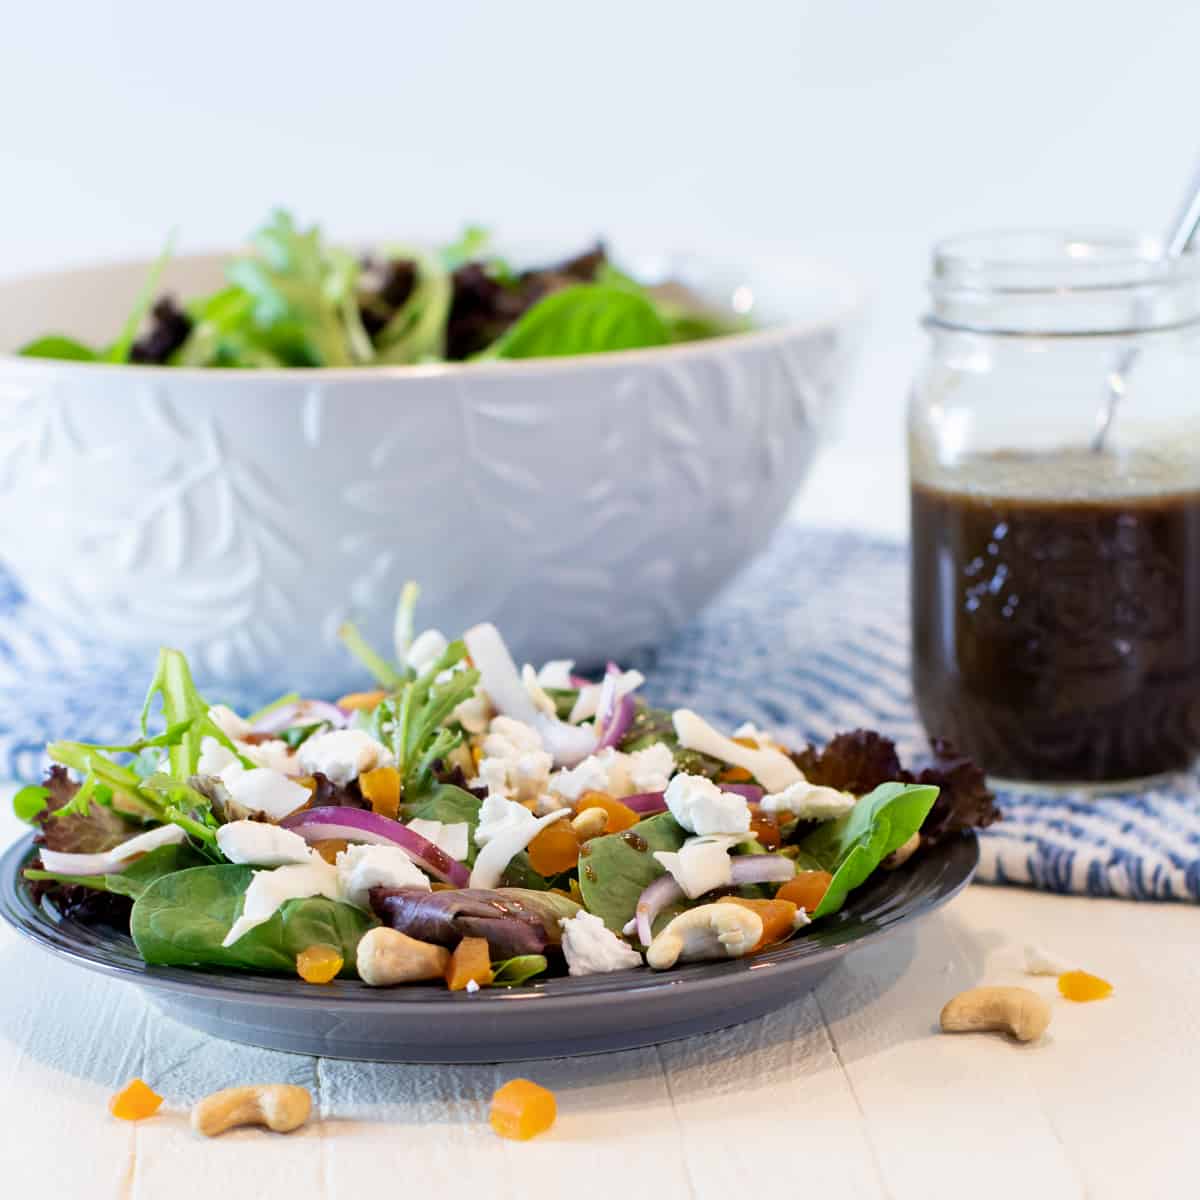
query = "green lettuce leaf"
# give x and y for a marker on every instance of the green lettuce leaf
(182, 918)
(853, 846)
(618, 867)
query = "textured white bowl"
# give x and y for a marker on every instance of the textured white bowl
(586, 505)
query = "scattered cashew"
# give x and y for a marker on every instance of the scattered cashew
(590, 823)
(386, 956)
(902, 854)
(1014, 1010)
(709, 931)
(278, 1106)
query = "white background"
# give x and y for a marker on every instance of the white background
(852, 130)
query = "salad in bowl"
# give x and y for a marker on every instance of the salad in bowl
(471, 823)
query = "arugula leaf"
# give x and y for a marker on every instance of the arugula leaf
(136, 877)
(471, 244)
(416, 332)
(384, 673)
(181, 919)
(854, 845)
(587, 318)
(615, 869)
(118, 352)
(58, 345)
(513, 972)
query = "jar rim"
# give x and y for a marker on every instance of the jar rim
(1040, 260)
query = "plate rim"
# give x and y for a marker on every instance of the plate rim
(569, 993)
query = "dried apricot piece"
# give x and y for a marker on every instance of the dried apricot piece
(135, 1101)
(765, 829)
(381, 790)
(778, 918)
(522, 1109)
(555, 849)
(319, 963)
(1082, 987)
(471, 962)
(330, 848)
(806, 889)
(620, 816)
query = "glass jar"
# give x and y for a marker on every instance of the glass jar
(1054, 458)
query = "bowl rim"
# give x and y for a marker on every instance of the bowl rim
(849, 305)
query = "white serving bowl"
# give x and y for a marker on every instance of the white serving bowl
(587, 505)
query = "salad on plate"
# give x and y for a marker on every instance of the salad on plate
(294, 300)
(471, 822)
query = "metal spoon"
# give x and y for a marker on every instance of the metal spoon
(1178, 239)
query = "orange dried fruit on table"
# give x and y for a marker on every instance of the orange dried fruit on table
(620, 816)
(806, 889)
(381, 790)
(470, 962)
(135, 1101)
(554, 849)
(765, 828)
(319, 963)
(330, 848)
(522, 1109)
(778, 918)
(1081, 986)
(362, 701)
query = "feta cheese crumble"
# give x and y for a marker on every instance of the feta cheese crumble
(701, 807)
(453, 837)
(425, 650)
(587, 704)
(1039, 961)
(261, 844)
(343, 754)
(617, 774)
(557, 674)
(700, 865)
(269, 890)
(361, 867)
(263, 790)
(809, 802)
(591, 948)
(514, 765)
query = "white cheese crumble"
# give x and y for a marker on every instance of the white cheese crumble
(360, 868)
(514, 765)
(809, 802)
(343, 754)
(505, 828)
(591, 948)
(452, 837)
(701, 807)
(557, 674)
(772, 768)
(617, 774)
(112, 860)
(269, 890)
(229, 723)
(700, 865)
(587, 704)
(537, 693)
(475, 713)
(1041, 962)
(472, 986)
(261, 844)
(650, 769)
(425, 650)
(262, 790)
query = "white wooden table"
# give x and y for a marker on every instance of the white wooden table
(848, 1092)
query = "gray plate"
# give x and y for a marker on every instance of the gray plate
(344, 1019)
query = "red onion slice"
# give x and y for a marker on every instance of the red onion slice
(663, 891)
(751, 791)
(359, 825)
(646, 803)
(302, 712)
(618, 726)
(762, 868)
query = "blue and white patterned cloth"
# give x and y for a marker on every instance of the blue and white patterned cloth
(810, 641)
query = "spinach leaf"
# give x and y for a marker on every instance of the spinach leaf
(118, 352)
(520, 874)
(136, 877)
(57, 345)
(450, 805)
(587, 318)
(854, 845)
(513, 972)
(182, 918)
(618, 867)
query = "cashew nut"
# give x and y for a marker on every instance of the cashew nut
(1014, 1010)
(590, 823)
(902, 854)
(709, 931)
(279, 1106)
(386, 956)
